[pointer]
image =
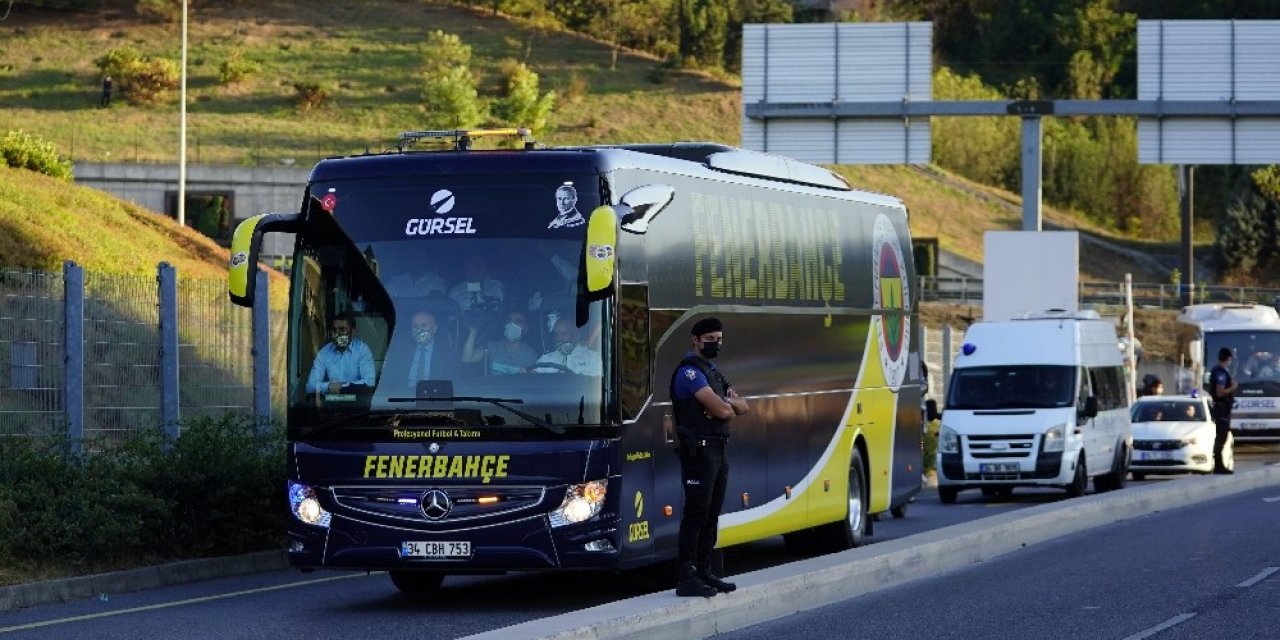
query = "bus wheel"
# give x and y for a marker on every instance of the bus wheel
(417, 581)
(1081, 480)
(853, 529)
(947, 495)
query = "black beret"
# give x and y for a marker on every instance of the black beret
(706, 325)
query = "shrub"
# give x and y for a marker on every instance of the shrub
(311, 95)
(159, 10)
(522, 106)
(145, 81)
(449, 87)
(22, 150)
(217, 489)
(236, 69)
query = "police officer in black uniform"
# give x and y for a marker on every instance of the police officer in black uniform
(1222, 390)
(704, 403)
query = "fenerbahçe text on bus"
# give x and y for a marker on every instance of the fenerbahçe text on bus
(610, 254)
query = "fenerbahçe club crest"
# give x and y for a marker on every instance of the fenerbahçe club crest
(892, 291)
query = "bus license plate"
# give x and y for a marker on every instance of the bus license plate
(998, 467)
(435, 549)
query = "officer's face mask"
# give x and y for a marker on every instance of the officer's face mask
(512, 331)
(565, 348)
(423, 335)
(710, 349)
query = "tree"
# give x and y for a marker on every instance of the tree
(703, 26)
(522, 106)
(1238, 248)
(449, 88)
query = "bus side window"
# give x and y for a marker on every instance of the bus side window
(635, 351)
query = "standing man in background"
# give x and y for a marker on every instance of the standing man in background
(1222, 389)
(106, 92)
(704, 403)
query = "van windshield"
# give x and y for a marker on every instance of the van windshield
(1012, 387)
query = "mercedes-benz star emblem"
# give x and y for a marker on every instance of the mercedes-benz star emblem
(436, 504)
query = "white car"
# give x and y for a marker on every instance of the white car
(1174, 434)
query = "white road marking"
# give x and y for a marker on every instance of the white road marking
(179, 603)
(1262, 575)
(1147, 633)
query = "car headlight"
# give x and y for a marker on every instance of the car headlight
(948, 440)
(581, 503)
(1053, 438)
(305, 507)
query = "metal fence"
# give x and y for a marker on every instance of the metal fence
(1150, 295)
(117, 375)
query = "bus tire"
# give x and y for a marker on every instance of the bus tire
(1080, 482)
(947, 495)
(416, 581)
(851, 531)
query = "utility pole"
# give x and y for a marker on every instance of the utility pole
(182, 127)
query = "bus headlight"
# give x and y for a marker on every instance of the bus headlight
(581, 503)
(948, 441)
(1053, 438)
(305, 507)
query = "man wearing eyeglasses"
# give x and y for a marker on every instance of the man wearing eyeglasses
(704, 403)
(345, 363)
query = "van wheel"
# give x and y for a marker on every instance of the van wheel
(1081, 480)
(947, 495)
(854, 528)
(1118, 476)
(417, 581)
(1139, 476)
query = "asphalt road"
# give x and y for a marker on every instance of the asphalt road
(288, 604)
(1210, 570)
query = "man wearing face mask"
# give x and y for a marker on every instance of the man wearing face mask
(432, 357)
(511, 354)
(343, 365)
(569, 356)
(704, 403)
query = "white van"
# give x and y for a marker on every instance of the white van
(1036, 401)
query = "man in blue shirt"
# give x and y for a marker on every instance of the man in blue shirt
(1222, 389)
(343, 365)
(704, 403)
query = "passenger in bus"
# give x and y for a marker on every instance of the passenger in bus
(1263, 365)
(510, 354)
(431, 355)
(345, 363)
(478, 290)
(569, 356)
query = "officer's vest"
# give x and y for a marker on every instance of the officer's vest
(691, 417)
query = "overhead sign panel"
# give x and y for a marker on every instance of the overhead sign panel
(789, 68)
(1216, 62)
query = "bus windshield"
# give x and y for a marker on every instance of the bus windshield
(1256, 365)
(429, 311)
(1012, 387)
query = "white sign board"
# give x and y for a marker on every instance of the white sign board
(828, 63)
(1029, 271)
(1214, 61)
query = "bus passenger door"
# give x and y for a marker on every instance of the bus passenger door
(639, 507)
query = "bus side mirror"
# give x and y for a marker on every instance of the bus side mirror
(643, 204)
(1196, 348)
(602, 240)
(931, 412)
(242, 271)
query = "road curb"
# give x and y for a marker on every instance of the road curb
(78, 588)
(783, 590)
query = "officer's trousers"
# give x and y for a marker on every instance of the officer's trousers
(704, 474)
(1222, 427)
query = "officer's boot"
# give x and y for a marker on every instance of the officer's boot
(704, 572)
(691, 583)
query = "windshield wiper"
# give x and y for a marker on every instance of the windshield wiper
(497, 402)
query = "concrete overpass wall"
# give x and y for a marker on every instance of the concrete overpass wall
(254, 189)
